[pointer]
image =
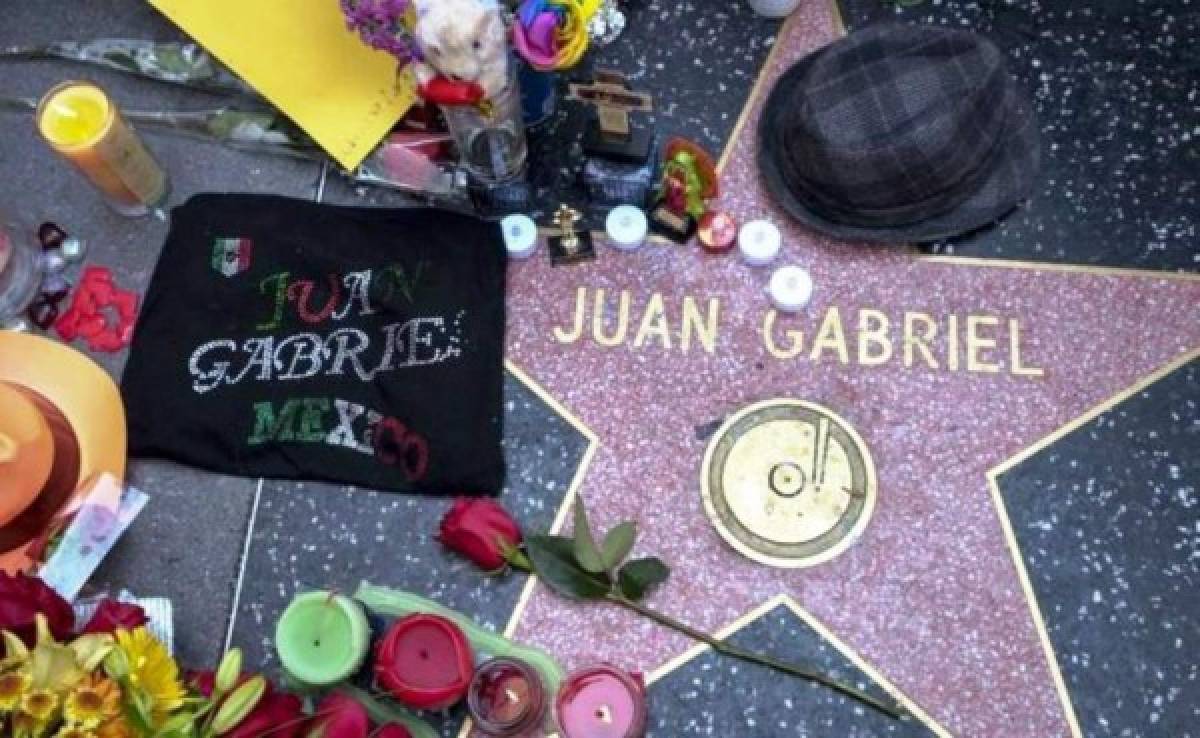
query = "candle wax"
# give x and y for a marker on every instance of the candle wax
(504, 696)
(427, 657)
(75, 116)
(322, 638)
(598, 704)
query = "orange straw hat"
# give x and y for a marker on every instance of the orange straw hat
(61, 424)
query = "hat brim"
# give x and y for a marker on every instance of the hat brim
(1010, 181)
(85, 395)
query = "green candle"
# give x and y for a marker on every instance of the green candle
(322, 638)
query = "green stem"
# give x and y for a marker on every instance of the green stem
(727, 649)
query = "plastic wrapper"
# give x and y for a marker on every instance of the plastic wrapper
(85, 532)
(178, 63)
(416, 163)
(159, 613)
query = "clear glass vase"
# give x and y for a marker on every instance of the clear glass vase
(20, 276)
(491, 141)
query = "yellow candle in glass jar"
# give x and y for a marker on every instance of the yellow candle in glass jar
(81, 123)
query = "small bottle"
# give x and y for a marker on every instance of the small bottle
(506, 699)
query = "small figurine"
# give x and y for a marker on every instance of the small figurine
(571, 246)
(689, 180)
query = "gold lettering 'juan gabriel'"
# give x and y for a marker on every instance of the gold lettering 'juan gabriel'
(862, 336)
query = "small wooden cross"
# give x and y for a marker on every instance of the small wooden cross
(613, 100)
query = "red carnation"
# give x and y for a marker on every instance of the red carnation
(113, 615)
(393, 730)
(479, 529)
(22, 598)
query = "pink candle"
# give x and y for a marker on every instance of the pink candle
(601, 702)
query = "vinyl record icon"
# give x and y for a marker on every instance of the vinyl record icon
(788, 483)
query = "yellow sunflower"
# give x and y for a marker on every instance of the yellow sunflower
(39, 704)
(74, 731)
(93, 701)
(13, 686)
(152, 671)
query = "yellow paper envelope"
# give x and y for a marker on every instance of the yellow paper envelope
(299, 55)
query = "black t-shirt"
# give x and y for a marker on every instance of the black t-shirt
(282, 338)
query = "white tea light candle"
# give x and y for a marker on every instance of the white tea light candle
(520, 235)
(790, 288)
(759, 242)
(626, 227)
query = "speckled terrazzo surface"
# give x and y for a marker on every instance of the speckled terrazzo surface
(1117, 94)
(930, 596)
(724, 697)
(1112, 551)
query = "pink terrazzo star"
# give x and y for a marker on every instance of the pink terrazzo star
(929, 594)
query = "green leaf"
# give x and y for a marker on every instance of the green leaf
(617, 544)
(639, 576)
(554, 561)
(586, 552)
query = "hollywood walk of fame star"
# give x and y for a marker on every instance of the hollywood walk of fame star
(929, 594)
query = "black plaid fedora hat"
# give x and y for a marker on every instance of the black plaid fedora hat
(899, 133)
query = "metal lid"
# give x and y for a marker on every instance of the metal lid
(788, 483)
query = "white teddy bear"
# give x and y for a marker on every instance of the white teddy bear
(465, 51)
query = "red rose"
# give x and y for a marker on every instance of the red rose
(394, 730)
(22, 598)
(277, 715)
(479, 529)
(339, 716)
(113, 615)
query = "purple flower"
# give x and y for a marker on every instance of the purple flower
(380, 24)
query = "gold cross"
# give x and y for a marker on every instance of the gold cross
(566, 217)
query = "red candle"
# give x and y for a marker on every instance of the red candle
(506, 699)
(717, 232)
(425, 662)
(601, 702)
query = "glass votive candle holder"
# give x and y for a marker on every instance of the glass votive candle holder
(601, 701)
(84, 126)
(506, 699)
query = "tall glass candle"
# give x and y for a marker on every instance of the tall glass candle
(601, 702)
(322, 638)
(506, 699)
(82, 123)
